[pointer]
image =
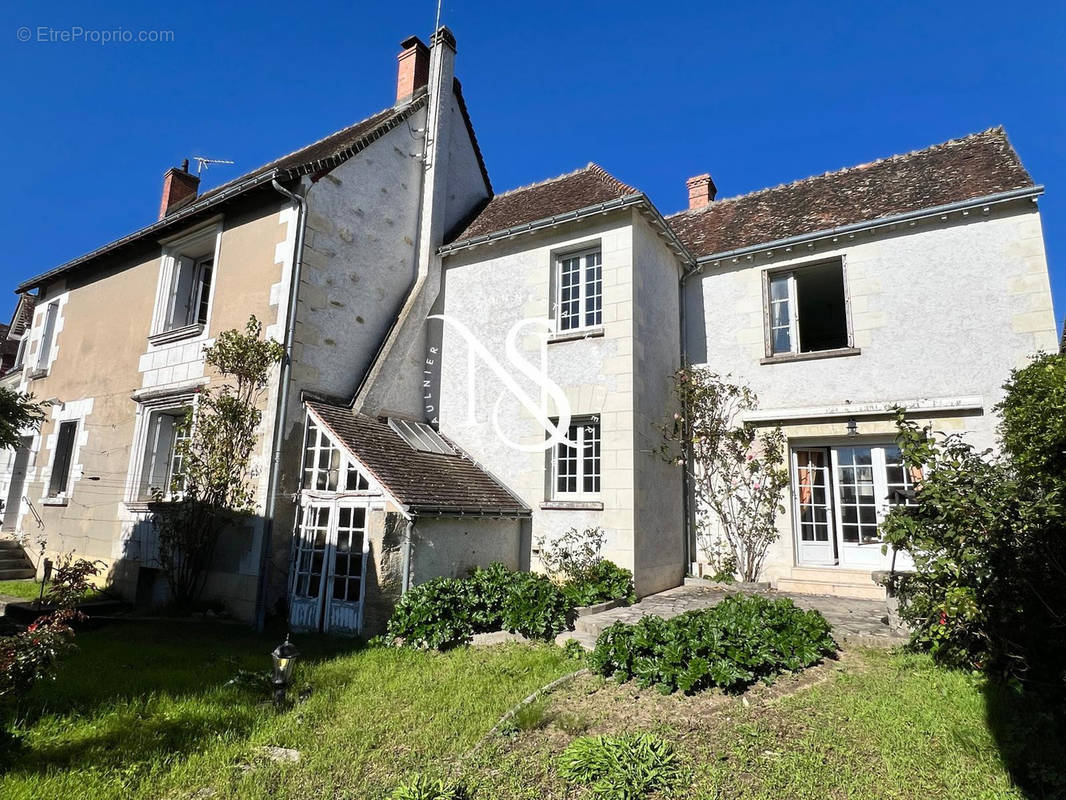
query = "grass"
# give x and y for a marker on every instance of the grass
(27, 589)
(141, 712)
(886, 726)
(144, 712)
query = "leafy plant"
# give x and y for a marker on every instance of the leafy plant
(425, 788)
(574, 561)
(534, 607)
(737, 471)
(988, 537)
(445, 612)
(623, 767)
(214, 487)
(18, 412)
(743, 639)
(27, 657)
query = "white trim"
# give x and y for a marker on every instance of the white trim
(581, 253)
(870, 409)
(173, 247)
(554, 493)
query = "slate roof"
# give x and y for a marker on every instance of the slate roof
(422, 481)
(575, 190)
(978, 165)
(325, 154)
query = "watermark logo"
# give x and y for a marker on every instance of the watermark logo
(556, 429)
(76, 34)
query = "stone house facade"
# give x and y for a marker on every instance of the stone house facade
(438, 336)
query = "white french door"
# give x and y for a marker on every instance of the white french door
(857, 499)
(329, 567)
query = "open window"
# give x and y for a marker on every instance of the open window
(807, 310)
(185, 286)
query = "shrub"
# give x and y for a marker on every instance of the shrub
(731, 645)
(534, 606)
(423, 788)
(445, 612)
(604, 581)
(574, 562)
(622, 767)
(434, 614)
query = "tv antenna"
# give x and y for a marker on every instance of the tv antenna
(203, 163)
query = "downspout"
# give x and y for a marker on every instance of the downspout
(408, 534)
(283, 402)
(687, 452)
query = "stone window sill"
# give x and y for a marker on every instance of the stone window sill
(838, 352)
(40, 372)
(185, 332)
(54, 501)
(571, 505)
(576, 335)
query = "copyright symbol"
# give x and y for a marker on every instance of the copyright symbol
(23, 34)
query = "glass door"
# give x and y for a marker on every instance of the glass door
(344, 594)
(308, 565)
(813, 507)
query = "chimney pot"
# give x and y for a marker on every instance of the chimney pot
(413, 68)
(701, 191)
(179, 189)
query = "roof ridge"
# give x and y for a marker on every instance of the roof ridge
(843, 170)
(592, 166)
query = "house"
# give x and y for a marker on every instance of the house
(471, 373)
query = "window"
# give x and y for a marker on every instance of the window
(20, 354)
(577, 468)
(807, 311)
(57, 484)
(161, 467)
(579, 291)
(325, 467)
(190, 291)
(44, 351)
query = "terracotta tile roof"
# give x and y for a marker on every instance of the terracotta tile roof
(978, 165)
(580, 189)
(423, 481)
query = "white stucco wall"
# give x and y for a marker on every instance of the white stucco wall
(943, 309)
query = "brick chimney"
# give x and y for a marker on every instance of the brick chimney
(701, 191)
(413, 72)
(179, 189)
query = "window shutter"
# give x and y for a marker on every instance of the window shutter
(45, 350)
(61, 463)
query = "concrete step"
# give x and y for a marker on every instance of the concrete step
(10, 544)
(867, 590)
(14, 562)
(586, 640)
(17, 574)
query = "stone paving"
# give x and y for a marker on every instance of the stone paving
(856, 621)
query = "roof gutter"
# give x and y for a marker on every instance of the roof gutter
(896, 219)
(468, 511)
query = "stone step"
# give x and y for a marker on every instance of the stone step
(588, 641)
(835, 574)
(17, 574)
(14, 562)
(832, 588)
(10, 544)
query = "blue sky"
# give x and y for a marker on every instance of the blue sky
(755, 93)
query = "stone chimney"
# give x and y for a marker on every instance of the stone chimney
(413, 71)
(701, 191)
(179, 189)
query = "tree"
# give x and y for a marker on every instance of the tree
(737, 471)
(213, 488)
(18, 412)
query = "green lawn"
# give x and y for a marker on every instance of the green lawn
(139, 712)
(28, 589)
(144, 713)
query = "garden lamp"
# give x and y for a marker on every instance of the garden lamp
(284, 655)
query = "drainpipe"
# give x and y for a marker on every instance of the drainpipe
(407, 535)
(685, 483)
(283, 402)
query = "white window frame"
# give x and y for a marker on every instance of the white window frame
(46, 344)
(171, 403)
(177, 411)
(583, 288)
(769, 276)
(205, 242)
(346, 465)
(581, 424)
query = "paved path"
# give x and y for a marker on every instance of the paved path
(856, 621)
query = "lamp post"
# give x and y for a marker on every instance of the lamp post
(284, 655)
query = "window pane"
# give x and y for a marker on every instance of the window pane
(204, 289)
(566, 463)
(591, 458)
(779, 287)
(593, 289)
(782, 341)
(569, 293)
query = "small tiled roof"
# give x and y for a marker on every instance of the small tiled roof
(978, 165)
(422, 481)
(575, 190)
